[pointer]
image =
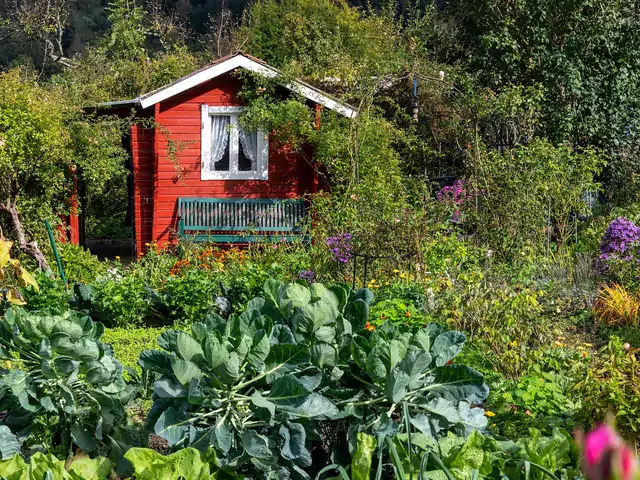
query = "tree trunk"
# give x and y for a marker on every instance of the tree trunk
(30, 248)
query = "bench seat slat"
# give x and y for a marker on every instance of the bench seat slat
(240, 219)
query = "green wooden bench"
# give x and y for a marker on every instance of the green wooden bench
(241, 220)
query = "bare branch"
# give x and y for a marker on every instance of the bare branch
(44, 22)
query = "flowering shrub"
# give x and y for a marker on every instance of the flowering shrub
(341, 247)
(620, 239)
(618, 259)
(207, 259)
(456, 196)
(456, 193)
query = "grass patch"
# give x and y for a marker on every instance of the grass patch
(128, 343)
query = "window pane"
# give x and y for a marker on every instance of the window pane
(248, 152)
(244, 164)
(220, 142)
(222, 165)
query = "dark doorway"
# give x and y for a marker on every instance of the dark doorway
(106, 221)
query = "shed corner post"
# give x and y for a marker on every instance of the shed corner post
(156, 167)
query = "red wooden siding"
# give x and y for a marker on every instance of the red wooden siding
(179, 117)
(142, 169)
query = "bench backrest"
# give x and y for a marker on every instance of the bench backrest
(241, 214)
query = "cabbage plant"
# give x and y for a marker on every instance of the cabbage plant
(302, 367)
(61, 385)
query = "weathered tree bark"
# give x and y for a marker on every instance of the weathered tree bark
(30, 248)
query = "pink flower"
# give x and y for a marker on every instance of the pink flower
(598, 442)
(606, 457)
(626, 464)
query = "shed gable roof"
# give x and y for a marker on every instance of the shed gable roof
(227, 64)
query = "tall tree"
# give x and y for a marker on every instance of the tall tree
(584, 53)
(44, 142)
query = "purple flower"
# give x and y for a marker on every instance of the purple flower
(307, 275)
(619, 243)
(340, 247)
(456, 193)
(621, 235)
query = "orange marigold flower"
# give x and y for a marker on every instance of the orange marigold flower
(370, 327)
(408, 314)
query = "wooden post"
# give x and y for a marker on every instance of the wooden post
(316, 175)
(74, 217)
(156, 164)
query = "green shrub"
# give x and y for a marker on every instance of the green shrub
(80, 265)
(397, 311)
(154, 268)
(447, 254)
(119, 299)
(192, 295)
(52, 294)
(523, 189)
(538, 400)
(506, 321)
(262, 388)
(609, 384)
(66, 389)
(409, 291)
(245, 281)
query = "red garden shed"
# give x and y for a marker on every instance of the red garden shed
(231, 185)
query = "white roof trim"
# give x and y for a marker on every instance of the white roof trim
(253, 66)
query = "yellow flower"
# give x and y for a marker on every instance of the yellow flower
(558, 344)
(489, 414)
(587, 344)
(395, 270)
(147, 244)
(373, 280)
(408, 314)
(584, 354)
(117, 257)
(580, 347)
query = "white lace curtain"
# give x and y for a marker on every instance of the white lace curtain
(249, 141)
(219, 137)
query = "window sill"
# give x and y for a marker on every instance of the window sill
(234, 176)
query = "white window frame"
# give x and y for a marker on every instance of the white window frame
(206, 168)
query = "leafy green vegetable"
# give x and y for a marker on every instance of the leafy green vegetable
(68, 388)
(185, 464)
(43, 466)
(530, 458)
(258, 386)
(363, 456)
